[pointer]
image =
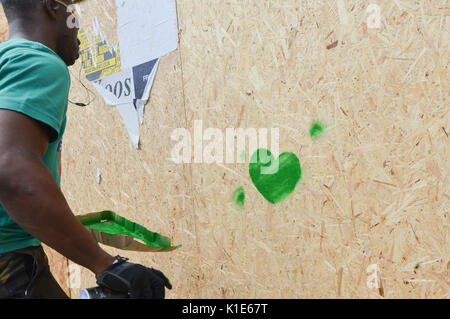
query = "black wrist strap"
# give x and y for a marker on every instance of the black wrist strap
(118, 260)
(113, 280)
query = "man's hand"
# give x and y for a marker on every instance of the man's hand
(138, 281)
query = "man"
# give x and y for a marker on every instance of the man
(34, 88)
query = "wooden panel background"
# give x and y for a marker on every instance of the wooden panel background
(374, 188)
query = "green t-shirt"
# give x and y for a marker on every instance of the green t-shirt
(34, 81)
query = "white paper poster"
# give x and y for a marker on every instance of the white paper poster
(124, 74)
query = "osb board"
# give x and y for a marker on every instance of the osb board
(374, 186)
(59, 268)
(3, 26)
(58, 263)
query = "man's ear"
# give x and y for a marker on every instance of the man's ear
(51, 7)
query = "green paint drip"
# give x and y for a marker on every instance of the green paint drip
(280, 183)
(239, 196)
(316, 129)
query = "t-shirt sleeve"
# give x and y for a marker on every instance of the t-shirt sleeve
(37, 85)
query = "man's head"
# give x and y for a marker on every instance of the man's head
(45, 21)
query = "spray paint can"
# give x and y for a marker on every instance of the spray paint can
(102, 293)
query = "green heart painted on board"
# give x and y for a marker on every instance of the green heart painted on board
(275, 179)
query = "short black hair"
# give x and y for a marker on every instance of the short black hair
(20, 4)
(18, 8)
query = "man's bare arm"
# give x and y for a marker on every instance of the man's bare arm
(33, 199)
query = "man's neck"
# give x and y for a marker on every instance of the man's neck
(18, 30)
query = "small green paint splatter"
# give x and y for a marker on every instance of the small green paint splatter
(316, 129)
(239, 196)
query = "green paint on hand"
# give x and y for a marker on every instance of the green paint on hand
(316, 129)
(277, 185)
(239, 196)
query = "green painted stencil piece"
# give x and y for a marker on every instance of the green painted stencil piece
(114, 226)
(279, 184)
(316, 129)
(239, 196)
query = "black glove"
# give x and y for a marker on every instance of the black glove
(137, 281)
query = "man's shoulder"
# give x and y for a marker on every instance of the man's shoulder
(29, 53)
